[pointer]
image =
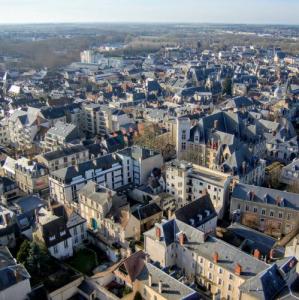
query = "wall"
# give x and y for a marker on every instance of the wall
(66, 291)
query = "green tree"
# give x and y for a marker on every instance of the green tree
(227, 86)
(23, 252)
(38, 258)
(137, 296)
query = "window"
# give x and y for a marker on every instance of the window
(201, 260)
(66, 244)
(220, 271)
(271, 213)
(254, 209)
(52, 238)
(55, 249)
(229, 287)
(183, 146)
(211, 265)
(210, 276)
(263, 211)
(209, 187)
(280, 215)
(144, 292)
(231, 277)
(289, 216)
(219, 281)
(247, 208)
(82, 228)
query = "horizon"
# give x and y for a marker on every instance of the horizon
(254, 12)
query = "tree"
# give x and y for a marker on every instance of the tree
(38, 258)
(227, 86)
(23, 252)
(137, 296)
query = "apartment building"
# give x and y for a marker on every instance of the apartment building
(54, 234)
(224, 270)
(290, 173)
(271, 211)
(94, 119)
(31, 176)
(142, 162)
(188, 182)
(108, 214)
(64, 157)
(61, 135)
(128, 166)
(75, 223)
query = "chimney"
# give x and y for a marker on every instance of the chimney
(160, 287)
(216, 257)
(17, 276)
(216, 122)
(7, 218)
(257, 254)
(181, 238)
(150, 280)
(238, 269)
(158, 233)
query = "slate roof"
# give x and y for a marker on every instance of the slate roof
(9, 270)
(67, 174)
(66, 151)
(146, 211)
(195, 241)
(265, 195)
(195, 208)
(171, 288)
(62, 129)
(54, 228)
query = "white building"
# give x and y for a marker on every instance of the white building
(53, 232)
(188, 182)
(128, 166)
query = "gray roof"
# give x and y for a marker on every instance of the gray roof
(270, 283)
(63, 152)
(266, 196)
(229, 256)
(171, 288)
(9, 270)
(193, 209)
(67, 174)
(62, 129)
(137, 152)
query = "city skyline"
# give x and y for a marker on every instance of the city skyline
(143, 11)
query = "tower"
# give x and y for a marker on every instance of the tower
(182, 135)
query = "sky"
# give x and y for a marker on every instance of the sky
(177, 11)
